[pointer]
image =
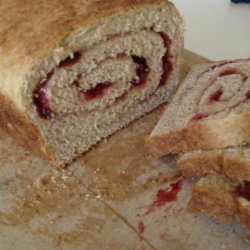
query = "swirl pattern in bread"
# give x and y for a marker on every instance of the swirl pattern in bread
(73, 72)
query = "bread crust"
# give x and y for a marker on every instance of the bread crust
(198, 164)
(244, 212)
(236, 168)
(214, 195)
(16, 124)
(232, 130)
(205, 202)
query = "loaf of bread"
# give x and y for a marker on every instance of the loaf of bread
(233, 162)
(209, 111)
(222, 198)
(73, 72)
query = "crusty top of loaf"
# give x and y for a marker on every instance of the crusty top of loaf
(30, 29)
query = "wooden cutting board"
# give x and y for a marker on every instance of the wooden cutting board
(114, 197)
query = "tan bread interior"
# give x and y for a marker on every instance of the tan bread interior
(78, 125)
(193, 95)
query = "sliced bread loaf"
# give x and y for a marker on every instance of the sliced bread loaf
(73, 72)
(233, 162)
(209, 111)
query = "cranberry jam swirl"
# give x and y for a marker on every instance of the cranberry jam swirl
(243, 190)
(227, 88)
(87, 80)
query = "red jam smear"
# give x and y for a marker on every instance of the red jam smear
(200, 116)
(216, 66)
(243, 190)
(215, 97)
(165, 196)
(167, 65)
(233, 72)
(248, 95)
(228, 72)
(142, 71)
(141, 227)
(96, 92)
(40, 97)
(70, 61)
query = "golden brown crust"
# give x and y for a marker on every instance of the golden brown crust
(208, 202)
(244, 213)
(216, 196)
(200, 164)
(224, 210)
(17, 125)
(207, 134)
(235, 166)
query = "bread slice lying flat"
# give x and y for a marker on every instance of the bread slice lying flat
(211, 110)
(73, 72)
(233, 162)
(222, 198)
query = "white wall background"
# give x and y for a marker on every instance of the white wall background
(216, 29)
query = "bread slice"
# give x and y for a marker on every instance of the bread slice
(87, 69)
(233, 162)
(222, 198)
(209, 111)
(213, 195)
(244, 212)
(242, 193)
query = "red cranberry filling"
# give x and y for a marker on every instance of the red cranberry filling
(200, 116)
(248, 95)
(141, 71)
(41, 100)
(215, 97)
(243, 190)
(70, 61)
(97, 91)
(233, 72)
(40, 97)
(167, 65)
(228, 72)
(216, 66)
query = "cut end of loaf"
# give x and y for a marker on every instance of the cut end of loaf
(104, 76)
